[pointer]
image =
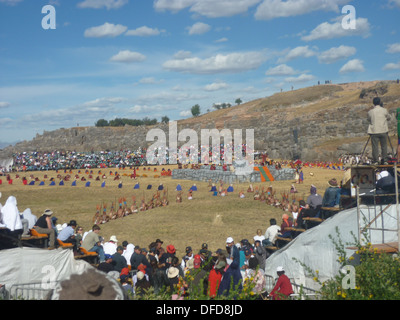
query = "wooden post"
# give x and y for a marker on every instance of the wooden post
(358, 213)
(397, 205)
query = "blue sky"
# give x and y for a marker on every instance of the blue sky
(154, 58)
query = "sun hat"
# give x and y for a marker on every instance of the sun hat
(140, 275)
(333, 182)
(171, 249)
(229, 240)
(172, 272)
(113, 238)
(280, 269)
(48, 212)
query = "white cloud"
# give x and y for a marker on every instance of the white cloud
(392, 66)
(5, 121)
(333, 30)
(137, 109)
(127, 56)
(335, 54)
(182, 54)
(144, 32)
(221, 40)
(99, 4)
(298, 52)
(395, 2)
(216, 86)
(393, 48)
(220, 63)
(106, 30)
(207, 8)
(172, 5)
(301, 78)
(4, 104)
(89, 111)
(199, 28)
(150, 80)
(10, 2)
(222, 8)
(271, 9)
(185, 113)
(281, 70)
(354, 65)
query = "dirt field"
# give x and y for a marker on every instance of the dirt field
(206, 218)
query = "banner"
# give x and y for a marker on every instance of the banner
(265, 174)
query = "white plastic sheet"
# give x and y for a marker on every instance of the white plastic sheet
(317, 251)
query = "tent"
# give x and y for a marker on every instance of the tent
(137, 186)
(22, 266)
(316, 250)
(178, 187)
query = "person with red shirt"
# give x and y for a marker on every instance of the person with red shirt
(215, 278)
(283, 288)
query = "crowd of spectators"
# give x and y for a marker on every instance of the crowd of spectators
(62, 160)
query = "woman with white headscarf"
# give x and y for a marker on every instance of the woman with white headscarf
(128, 253)
(28, 215)
(10, 216)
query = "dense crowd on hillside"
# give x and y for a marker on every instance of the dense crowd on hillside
(62, 160)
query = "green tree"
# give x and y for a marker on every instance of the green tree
(164, 119)
(101, 123)
(238, 101)
(195, 110)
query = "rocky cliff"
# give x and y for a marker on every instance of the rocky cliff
(319, 122)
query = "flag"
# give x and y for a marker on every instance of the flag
(265, 174)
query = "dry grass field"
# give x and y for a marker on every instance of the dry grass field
(205, 218)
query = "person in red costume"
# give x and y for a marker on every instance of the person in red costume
(283, 288)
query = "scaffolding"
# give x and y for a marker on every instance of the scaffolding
(375, 208)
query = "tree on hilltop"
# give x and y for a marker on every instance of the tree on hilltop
(195, 110)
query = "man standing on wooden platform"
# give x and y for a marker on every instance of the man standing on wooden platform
(378, 118)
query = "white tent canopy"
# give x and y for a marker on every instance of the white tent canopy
(38, 266)
(316, 250)
(6, 163)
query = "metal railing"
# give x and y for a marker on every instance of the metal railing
(30, 291)
(299, 291)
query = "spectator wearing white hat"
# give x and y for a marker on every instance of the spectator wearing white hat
(110, 247)
(283, 288)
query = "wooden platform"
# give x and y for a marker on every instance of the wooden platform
(390, 247)
(313, 219)
(295, 229)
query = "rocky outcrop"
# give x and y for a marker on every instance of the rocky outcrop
(315, 123)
